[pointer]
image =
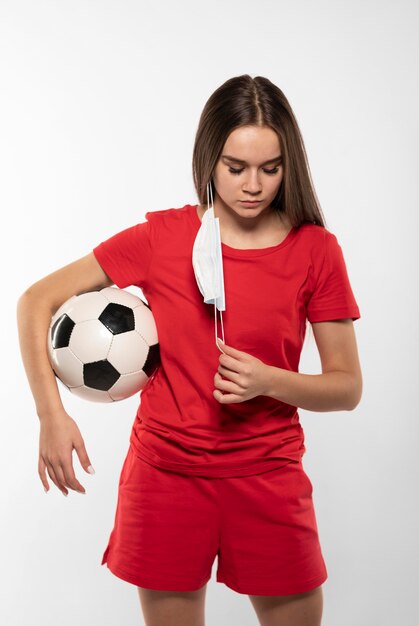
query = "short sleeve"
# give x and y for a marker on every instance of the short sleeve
(126, 256)
(332, 297)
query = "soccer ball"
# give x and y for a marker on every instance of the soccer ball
(103, 345)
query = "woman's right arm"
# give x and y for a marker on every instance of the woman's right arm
(59, 433)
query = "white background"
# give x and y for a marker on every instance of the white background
(99, 106)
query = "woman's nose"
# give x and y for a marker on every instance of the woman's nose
(252, 184)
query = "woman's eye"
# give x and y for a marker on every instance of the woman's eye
(235, 171)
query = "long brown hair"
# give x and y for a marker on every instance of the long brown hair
(242, 101)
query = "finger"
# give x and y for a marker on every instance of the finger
(42, 471)
(228, 373)
(218, 381)
(226, 398)
(53, 475)
(229, 377)
(70, 477)
(229, 350)
(84, 459)
(229, 363)
(226, 385)
(59, 474)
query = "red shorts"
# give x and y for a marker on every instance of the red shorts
(169, 527)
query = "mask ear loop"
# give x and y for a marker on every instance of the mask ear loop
(209, 194)
(215, 326)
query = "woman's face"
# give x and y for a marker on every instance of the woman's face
(249, 168)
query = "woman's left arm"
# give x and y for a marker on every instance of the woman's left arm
(338, 387)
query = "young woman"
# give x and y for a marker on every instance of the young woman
(214, 464)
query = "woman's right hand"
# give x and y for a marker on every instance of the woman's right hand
(58, 436)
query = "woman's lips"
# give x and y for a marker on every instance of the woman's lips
(250, 203)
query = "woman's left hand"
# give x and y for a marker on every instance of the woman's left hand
(244, 376)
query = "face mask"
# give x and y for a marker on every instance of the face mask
(207, 262)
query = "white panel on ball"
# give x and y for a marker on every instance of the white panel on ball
(81, 340)
(119, 296)
(63, 359)
(127, 385)
(86, 306)
(94, 395)
(144, 321)
(128, 352)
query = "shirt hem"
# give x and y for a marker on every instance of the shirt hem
(233, 471)
(108, 268)
(334, 314)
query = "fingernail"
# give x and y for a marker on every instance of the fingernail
(83, 492)
(64, 494)
(46, 490)
(91, 470)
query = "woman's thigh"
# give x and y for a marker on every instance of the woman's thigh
(173, 608)
(301, 609)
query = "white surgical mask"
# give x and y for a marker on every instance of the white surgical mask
(207, 262)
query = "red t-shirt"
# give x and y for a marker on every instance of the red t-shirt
(269, 294)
